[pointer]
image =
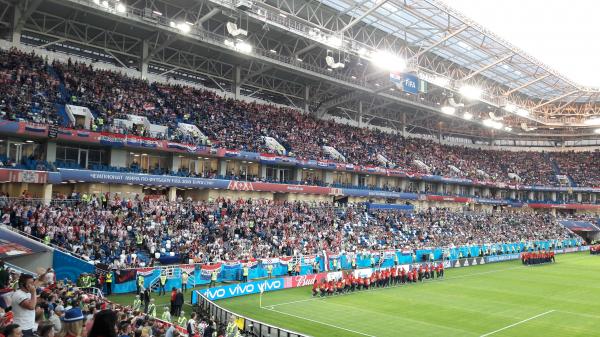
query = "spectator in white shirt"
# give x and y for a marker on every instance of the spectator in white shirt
(191, 325)
(24, 301)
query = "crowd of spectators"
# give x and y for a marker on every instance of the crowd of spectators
(136, 232)
(43, 307)
(581, 167)
(31, 88)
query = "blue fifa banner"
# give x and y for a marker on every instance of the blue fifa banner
(406, 82)
(67, 266)
(241, 289)
(410, 83)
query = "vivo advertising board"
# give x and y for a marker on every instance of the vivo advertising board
(241, 289)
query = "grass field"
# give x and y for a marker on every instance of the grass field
(501, 299)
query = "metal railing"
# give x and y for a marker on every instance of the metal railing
(251, 327)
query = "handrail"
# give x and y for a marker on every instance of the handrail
(256, 327)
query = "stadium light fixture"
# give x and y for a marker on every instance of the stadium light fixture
(120, 8)
(183, 27)
(592, 121)
(233, 29)
(490, 123)
(448, 110)
(243, 47)
(510, 108)
(386, 60)
(522, 112)
(470, 92)
(104, 4)
(468, 116)
(508, 128)
(597, 131)
(331, 61)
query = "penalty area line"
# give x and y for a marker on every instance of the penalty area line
(318, 322)
(520, 322)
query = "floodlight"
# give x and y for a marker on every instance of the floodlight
(244, 47)
(332, 64)
(448, 110)
(510, 107)
(184, 27)
(233, 29)
(492, 124)
(468, 116)
(597, 131)
(522, 112)
(386, 60)
(471, 92)
(120, 8)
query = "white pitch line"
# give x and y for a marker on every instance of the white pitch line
(318, 322)
(520, 322)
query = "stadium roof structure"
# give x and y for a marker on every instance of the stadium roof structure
(320, 56)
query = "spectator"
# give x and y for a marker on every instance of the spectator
(24, 301)
(55, 319)
(13, 330)
(105, 324)
(46, 330)
(72, 323)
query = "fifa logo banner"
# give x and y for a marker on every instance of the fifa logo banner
(406, 82)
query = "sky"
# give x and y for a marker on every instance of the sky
(564, 34)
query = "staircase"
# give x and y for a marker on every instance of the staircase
(553, 163)
(64, 95)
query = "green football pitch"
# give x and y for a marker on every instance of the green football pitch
(500, 299)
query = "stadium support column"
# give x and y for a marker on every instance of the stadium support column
(553, 196)
(51, 152)
(222, 167)
(47, 193)
(298, 174)
(579, 197)
(306, 99)
(237, 81)
(404, 124)
(16, 30)
(172, 193)
(593, 198)
(144, 60)
(360, 114)
(263, 172)
(175, 163)
(118, 157)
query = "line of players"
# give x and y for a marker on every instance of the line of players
(537, 257)
(378, 279)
